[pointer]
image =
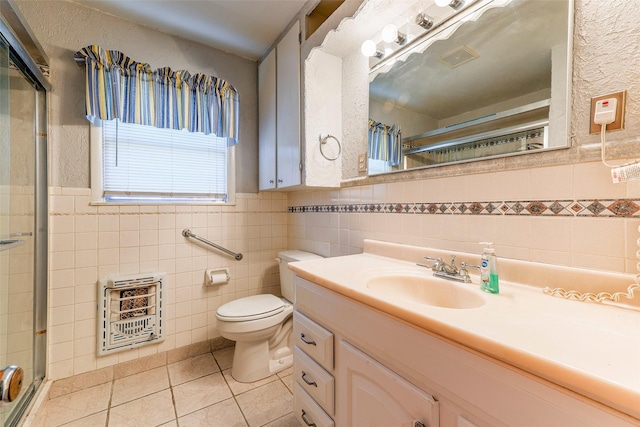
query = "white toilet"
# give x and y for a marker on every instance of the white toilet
(261, 326)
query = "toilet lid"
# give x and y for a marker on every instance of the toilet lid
(251, 308)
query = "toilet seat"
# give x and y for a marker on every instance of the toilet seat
(250, 308)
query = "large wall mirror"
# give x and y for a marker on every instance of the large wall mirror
(494, 80)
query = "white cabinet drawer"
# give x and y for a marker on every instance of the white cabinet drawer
(315, 340)
(307, 411)
(314, 379)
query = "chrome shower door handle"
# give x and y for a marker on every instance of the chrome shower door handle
(10, 383)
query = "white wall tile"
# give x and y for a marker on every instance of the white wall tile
(108, 223)
(599, 236)
(86, 223)
(86, 241)
(552, 183)
(593, 181)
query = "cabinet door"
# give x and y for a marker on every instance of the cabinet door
(267, 122)
(373, 395)
(288, 109)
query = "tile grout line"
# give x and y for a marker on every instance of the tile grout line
(233, 396)
(106, 421)
(173, 396)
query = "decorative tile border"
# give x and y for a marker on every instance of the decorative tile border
(621, 208)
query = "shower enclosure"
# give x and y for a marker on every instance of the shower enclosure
(23, 226)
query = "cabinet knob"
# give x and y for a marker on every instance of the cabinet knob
(280, 181)
(271, 181)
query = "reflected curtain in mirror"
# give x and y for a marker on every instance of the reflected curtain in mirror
(385, 143)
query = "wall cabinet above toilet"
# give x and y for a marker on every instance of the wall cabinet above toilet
(279, 114)
(292, 154)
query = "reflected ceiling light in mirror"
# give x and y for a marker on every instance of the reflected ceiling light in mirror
(370, 49)
(425, 21)
(454, 4)
(390, 34)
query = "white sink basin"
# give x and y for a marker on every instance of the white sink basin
(424, 289)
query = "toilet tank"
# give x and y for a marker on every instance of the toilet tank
(286, 275)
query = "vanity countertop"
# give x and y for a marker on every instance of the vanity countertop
(591, 349)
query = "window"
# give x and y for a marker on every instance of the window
(133, 163)
(378, 166)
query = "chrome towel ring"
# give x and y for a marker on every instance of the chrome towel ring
(323, 141)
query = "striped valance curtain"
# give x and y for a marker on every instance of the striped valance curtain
(385, 142)
(118, 87)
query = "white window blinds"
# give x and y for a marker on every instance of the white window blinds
(145, 163)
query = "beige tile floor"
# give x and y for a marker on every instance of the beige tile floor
(191, 393)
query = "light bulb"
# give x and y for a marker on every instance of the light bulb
(368, 48)
(454, 4)
(389, 33)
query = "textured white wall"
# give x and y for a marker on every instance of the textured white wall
(64, 27)
(605, 61)
(323, 113)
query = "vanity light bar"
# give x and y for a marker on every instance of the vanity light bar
(453, 4)
(424, 21)
(462, 8)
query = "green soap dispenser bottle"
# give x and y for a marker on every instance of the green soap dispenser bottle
(489, 281)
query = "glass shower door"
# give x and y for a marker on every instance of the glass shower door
(18, 106)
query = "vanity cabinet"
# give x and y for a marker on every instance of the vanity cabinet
(372, 394)
(279, 114)
(388, 372)
(368, 392)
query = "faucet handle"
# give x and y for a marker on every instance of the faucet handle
(453, 260)
(465, 265)
(465, 273)
(437, 263)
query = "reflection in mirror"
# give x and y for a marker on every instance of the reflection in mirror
(492, 81)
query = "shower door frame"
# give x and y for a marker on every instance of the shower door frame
(32, 71)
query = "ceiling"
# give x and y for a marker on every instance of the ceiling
(243, 27)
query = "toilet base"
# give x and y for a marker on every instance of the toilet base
(252, 361)
(264, 356)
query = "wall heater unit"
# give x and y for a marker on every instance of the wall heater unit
(130, 312)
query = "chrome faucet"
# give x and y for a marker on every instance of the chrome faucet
(450, 271)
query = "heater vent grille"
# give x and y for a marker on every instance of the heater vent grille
(130, 312)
